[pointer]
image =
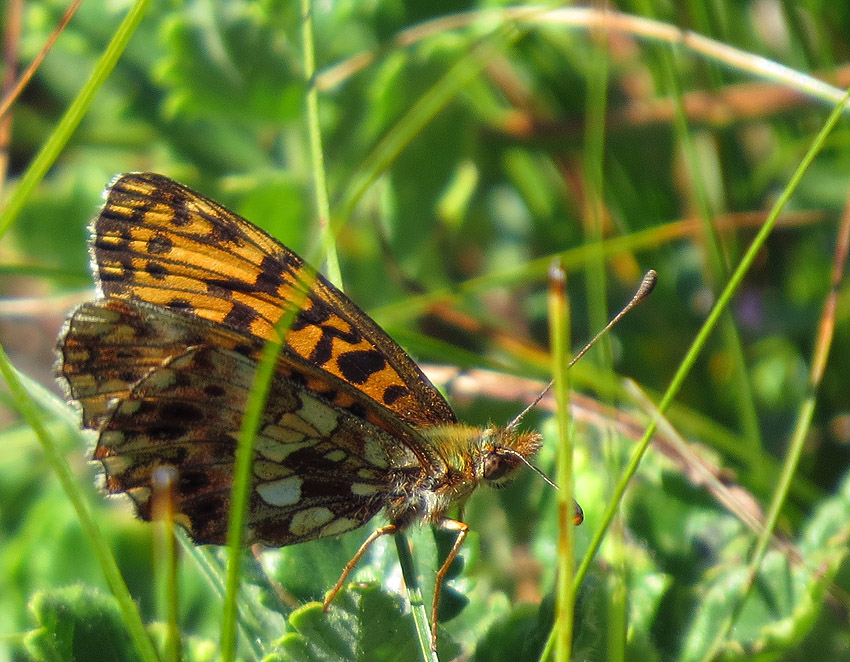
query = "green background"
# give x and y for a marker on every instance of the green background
(460, 159)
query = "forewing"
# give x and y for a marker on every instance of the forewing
(160, 242)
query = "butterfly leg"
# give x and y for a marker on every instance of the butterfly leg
(377, 533)
(461, 530)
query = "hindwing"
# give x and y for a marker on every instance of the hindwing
(166, 390)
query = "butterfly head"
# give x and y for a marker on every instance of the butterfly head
(501, 452)
(504, 450)
(488, 455)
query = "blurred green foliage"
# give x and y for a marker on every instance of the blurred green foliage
(494, 185)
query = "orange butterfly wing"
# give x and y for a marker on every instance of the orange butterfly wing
(160, 242)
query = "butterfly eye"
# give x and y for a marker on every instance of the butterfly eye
(496, 467)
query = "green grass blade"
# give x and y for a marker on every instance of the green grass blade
(559, 316)
(317, 157)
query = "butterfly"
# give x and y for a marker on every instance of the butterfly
(162, 362)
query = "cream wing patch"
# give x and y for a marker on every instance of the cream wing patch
(322, 417)
(307, 520)
(282, 492)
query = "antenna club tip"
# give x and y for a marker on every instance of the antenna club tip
(578, 513)
(650, 280)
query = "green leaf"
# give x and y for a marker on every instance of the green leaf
(364, 624)
(520, 635)
(78, 623)
(789, 593)
(219, 53)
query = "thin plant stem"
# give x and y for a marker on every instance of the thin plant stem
(559, 331)
(744, 402)
(243, 488)
(320, 183)
(15, 91)
(165, 559)
(414, 595)
(613, 22)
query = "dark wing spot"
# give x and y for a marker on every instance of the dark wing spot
(245, 349)
(137, 216)
(181, 379)
(270, 278)
(240, 316)
(224, 231)
(393, 393)
(357, 409)
(323, 351)
(159, 244)
(182, 305)
(156, 270)
(356, 367)
(226, 286)
(144, 408)
(214, 390)
(324, 489)
(317, 314)
(183, 412)
(175, 455)
(192, 338)
(207, 511)
(193, 481)
(298, 378)
(166, 432)
(181, 215)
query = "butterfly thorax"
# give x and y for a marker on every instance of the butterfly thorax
(472, 456)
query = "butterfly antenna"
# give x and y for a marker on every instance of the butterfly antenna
(524, 460)
(646, 286)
